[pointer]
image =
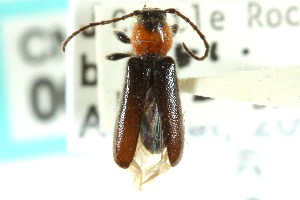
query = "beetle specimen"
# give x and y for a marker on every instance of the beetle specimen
(150, 108)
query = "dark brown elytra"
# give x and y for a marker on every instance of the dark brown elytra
(150, 104)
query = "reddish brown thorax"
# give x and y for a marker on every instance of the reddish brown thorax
(151, 35)
(145, 42)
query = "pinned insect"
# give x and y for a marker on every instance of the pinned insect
(150, 110)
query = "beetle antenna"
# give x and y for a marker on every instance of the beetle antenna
(64, 44)
(174, 11)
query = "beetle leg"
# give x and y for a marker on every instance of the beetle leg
(122, 37)
(174, 28)
(117, 56)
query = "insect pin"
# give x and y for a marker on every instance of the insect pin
(150, 111)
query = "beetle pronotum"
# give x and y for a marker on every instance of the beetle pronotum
(150, 106)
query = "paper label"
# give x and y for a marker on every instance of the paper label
(228, 144)
(32, 101)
